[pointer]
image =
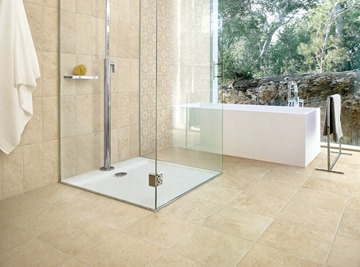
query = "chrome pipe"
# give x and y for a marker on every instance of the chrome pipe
(107, 93)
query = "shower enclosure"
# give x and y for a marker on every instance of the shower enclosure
(150, 66)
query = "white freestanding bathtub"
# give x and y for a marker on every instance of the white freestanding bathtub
(287, 135)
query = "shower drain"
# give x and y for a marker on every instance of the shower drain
(120, 174)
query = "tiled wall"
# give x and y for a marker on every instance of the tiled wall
(35, 162)
(83, 42)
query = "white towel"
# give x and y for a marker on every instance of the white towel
(19, 69)
(335, 112)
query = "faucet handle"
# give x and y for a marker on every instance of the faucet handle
(113, 67)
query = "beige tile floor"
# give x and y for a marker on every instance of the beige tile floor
(255, 214)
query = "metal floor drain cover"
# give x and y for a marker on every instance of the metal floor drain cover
(120, 174)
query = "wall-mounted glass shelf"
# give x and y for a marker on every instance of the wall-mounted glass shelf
(80, 77)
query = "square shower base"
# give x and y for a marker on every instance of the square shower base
(134, 186)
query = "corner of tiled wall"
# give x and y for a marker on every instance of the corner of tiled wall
(35, 162)
(82, 40)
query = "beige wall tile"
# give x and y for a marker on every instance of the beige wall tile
(67, 30)
(83, 114)
(68, 157)
(135, 12)
(134, 141)
(124, 144)
(50, 29)
(98, 8)
(98, 113)
(83, 34)
(34, 1)
(50, 162)
(114, 10)
(33, 130)
(97, 65)
(32, 167)
(67, 64)
(83, 153)
(68, 116)
(51, 3)
(116, 103)
(98, 148)
(114, 38)
(50, 74)
(98, 36)
(50, 118)
(124, 113)
(13, 173)
(124, 8)
(114, 146)
(124, 74)
(134, 41)
(69, 5)
(34, 14)
(83, 7)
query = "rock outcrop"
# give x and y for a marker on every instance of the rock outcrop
(313, 88)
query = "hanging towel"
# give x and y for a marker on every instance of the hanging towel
(335, 111)
(19, 69)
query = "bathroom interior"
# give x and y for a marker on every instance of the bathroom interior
(164, 64)
(254, 213)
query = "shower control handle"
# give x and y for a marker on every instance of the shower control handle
(113, 67)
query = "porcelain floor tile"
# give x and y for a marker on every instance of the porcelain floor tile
(329, 185)
(320, 199)
(239, 223)
(262, 256)
(54, 192)
(302, 242)
(32, 253)
(44, 220)
(161, 229)
(16, 206)
(283, 191)
(213, 248)
(73, 263)
(353, 207)
(216, 194)
(262, 205)
(311, 217)
(11, 236)
(191, 209)
(344, 253)
(75, 237)
(350, 227)
(120, 250)
(174, 260)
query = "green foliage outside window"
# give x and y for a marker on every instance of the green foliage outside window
(280, 37)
